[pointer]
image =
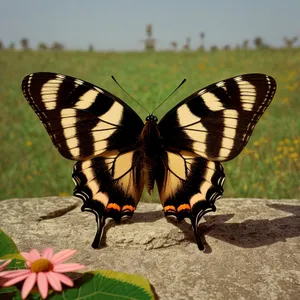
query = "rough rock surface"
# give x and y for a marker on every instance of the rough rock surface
(252, 245)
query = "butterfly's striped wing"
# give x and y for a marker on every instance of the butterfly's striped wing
(188, 186)
(97, 129)
(110, 186)
(217, 121)
(213, 125)
(82, 119)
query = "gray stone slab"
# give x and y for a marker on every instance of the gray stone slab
(252, 245)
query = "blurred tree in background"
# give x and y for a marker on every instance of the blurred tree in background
(57, 46)
(24, 44)
(42, 46)
(174, 45)
(150, 41)
(187, 45)
(289, 43)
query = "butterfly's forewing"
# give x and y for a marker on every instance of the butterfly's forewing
(82, 120)
(90, 125)
(217, 121)
(213, 124)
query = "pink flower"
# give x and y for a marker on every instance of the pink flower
(42, 269)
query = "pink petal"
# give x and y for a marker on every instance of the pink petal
(15, 280)
(47, 253)
(5, 264)
(28, 285)
(28, 264)
(42, 284)
(34, 255)
(26, 255)
(64, 279)
(62, 256)
(14, 273)
(61, 268)
(54, 281)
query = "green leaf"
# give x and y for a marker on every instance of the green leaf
(107, 285)
(9, 250)
(7, 246)
(13, 256)
(9, 289)
(129, 278)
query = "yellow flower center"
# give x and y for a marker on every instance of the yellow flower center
(41, 265)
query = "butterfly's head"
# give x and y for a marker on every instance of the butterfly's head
(151, 118)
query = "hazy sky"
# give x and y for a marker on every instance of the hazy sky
(120, 24)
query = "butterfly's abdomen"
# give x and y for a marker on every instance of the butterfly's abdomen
(153, 148)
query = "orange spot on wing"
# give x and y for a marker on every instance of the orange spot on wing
(128, 207)
(183, 207)
(169, 208)
(113, 206)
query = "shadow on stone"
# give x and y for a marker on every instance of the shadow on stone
(146, 217)
(204, 228)
(58, 213)
(138, 217)
(257, 233)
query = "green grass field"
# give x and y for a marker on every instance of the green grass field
(269, 167)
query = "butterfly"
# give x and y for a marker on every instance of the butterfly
(117, 154)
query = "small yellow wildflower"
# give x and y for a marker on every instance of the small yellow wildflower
(294, 155)
(63, 194)
(28, 143)
(292, 75)
(292, 87)
(28, 177)
(285, 150)
(202, 66)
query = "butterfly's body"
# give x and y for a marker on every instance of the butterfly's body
(151, 140)
(118, 154)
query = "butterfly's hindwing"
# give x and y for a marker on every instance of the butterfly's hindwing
(188, 186)
(110, 185)
(217, 122)
(82, 120)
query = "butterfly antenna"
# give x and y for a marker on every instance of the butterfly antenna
(115, 80)
(182, 82)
